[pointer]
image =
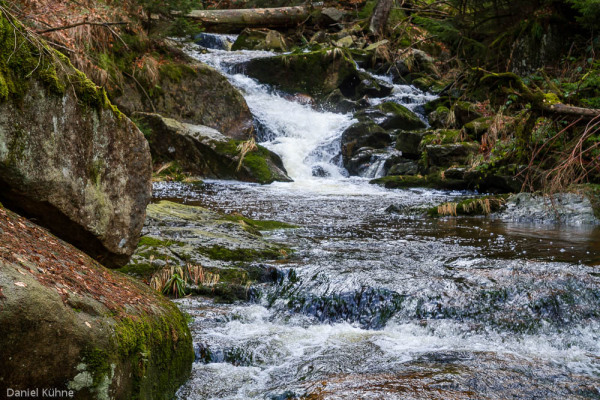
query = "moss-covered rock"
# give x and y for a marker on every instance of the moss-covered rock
(205, 152)
(71, 324)
(193, 93)
(68, 157)
(446, 155)
(409, 143)
(316, 73)
(260, 39)
(440, 136)
(434, 181)
(363, 134)
(478, 127)
(391, 115)
(440, 118)
(226, 246)
(465, 112)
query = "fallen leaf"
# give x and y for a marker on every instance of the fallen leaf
(88, 324)
(21, 284)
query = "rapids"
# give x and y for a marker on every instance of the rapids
(380, 305)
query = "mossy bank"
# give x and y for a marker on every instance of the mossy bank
(71, 324)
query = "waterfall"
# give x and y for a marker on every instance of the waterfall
(307, 140)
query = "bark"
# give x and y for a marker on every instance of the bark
(236, 20)
(380, 16)
(586, 113)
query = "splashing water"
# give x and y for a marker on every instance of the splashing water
(388, 306)
(307, 140)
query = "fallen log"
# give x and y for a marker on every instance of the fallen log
(237, 20)
(586, 113)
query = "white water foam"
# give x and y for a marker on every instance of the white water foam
(307, 140)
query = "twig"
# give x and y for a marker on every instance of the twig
(60, 28)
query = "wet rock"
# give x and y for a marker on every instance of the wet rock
(337, 102)
(440, 118)
(317, 73)
(366, 162)
(71, 324)
(458, 375)
(370, 308)
(372, 87)
(433, 181)
(445, 155)
(404, 167)
(70, 159)
(260, 39)
(193, 93)
(390, 115)
(226, 246)
(363, 134)
(320, 172)
(561, 208)
(408, 142)
(205, 152)
(214, 41)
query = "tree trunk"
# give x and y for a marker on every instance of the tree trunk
(380, 16)
(237, 20)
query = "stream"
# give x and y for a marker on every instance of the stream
(381, 305)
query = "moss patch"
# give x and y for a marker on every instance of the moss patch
(442, 136)
(222, 253)
(433, 181)
(255, 161)
(23, 59)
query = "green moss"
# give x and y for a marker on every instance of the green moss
(142, 271)
(551, 98)
(255, 161)
(97, 364)
(23, 60)
(154, 242)
(240, 254)
(442, 136)
(265, 225)
(434, 181)
(175, 71)
(316, 73)
(476, 128)
(158, 350)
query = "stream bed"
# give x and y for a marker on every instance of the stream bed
(382, 305)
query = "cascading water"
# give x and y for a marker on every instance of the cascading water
(389, 306)
(307, 140)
